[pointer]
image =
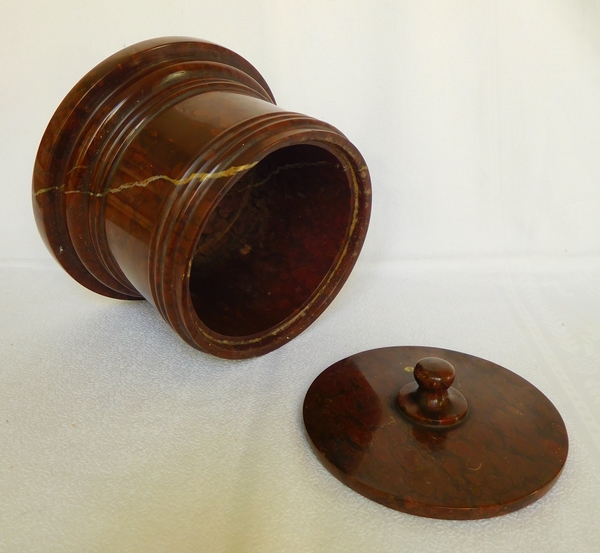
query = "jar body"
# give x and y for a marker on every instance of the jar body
(170, 174)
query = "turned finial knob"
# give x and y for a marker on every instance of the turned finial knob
(431, 400)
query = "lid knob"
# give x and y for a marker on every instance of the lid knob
(431, 400)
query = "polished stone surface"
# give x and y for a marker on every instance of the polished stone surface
(431, 399)
(168, 173)
(506, 453)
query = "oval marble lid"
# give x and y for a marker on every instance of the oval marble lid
(468, 439)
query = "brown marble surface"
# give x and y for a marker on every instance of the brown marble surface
(168, 173)
(506, 453)
(431, 399)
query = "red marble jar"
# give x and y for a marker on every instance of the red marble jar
(168, 173)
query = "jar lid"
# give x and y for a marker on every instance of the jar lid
(435, 433)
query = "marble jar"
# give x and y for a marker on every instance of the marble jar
(169, 173)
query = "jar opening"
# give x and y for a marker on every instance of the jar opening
(270, 241)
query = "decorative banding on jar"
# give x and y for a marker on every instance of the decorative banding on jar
(168, 173)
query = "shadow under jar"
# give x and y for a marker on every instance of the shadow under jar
(168, 173)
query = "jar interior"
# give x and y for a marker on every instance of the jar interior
(270, 241)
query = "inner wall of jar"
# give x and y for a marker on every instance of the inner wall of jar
(270, 241)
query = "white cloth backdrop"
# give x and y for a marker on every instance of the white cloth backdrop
(480, 124)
